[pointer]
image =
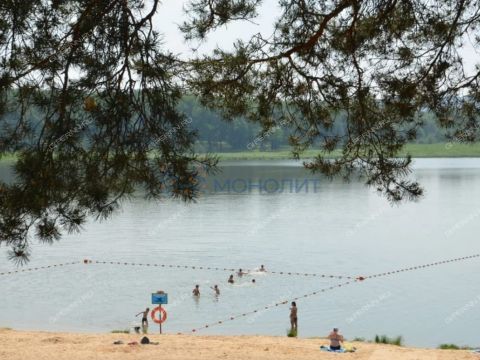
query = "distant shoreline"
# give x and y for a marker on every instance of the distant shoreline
(441, 150)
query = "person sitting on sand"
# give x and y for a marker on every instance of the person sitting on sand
(335, 340)
(262, 268)
(196, 291)
(144, 317)
(216, 289)
(293, 316)
(230, 279)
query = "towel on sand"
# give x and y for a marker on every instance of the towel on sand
(342, 350)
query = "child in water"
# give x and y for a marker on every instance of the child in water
(144, 317)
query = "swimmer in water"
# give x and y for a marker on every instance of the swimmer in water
(253, 281)
(240, 273)
(196, 291)
(216, 289)
(230, 279)
(262, 268)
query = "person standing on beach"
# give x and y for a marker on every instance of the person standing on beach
(196, 291)
(144, 317)
(293, 317)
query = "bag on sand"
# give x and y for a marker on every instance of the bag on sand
(145, 340)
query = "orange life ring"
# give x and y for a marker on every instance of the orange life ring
(162, 318)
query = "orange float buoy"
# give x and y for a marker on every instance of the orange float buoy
(163, 315)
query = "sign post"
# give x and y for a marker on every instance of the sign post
(160, 325)
(160, 298)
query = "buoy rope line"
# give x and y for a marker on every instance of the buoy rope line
(418, 267)
(191, 267)
(358, 279)
(39, 268)
(268, 307)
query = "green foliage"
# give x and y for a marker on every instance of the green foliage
(415, 150)
(90, 101)
(216, 135)
(453, 347)
(339, 64)
(89, 105)
(359, 339)
(292, 332)
(449, 347)
(384, 339)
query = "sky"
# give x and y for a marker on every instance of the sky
(170, 15)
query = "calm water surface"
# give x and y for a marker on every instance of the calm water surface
(340, 228)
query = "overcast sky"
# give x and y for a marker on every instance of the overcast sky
(171, 14)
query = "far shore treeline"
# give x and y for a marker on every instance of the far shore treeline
(218, 136)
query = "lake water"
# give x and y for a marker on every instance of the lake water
(336, 228)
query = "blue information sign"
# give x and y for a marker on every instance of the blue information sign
(160, 299)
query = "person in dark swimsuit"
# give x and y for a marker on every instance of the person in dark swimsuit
(230, 279)
(144, 316)
(293, 316)
(335, 340)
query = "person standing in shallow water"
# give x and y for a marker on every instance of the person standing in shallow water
(196, 291)
(293, 317)
(230, 279)
(216, 289)
(144, 319)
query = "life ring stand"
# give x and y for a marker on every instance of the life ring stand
(163, 317)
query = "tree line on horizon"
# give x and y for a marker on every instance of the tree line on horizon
(214, 134)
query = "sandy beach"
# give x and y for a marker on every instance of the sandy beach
(25, 345)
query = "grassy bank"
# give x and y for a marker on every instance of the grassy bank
(448, 150)
(7, 158)
(416, 150)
